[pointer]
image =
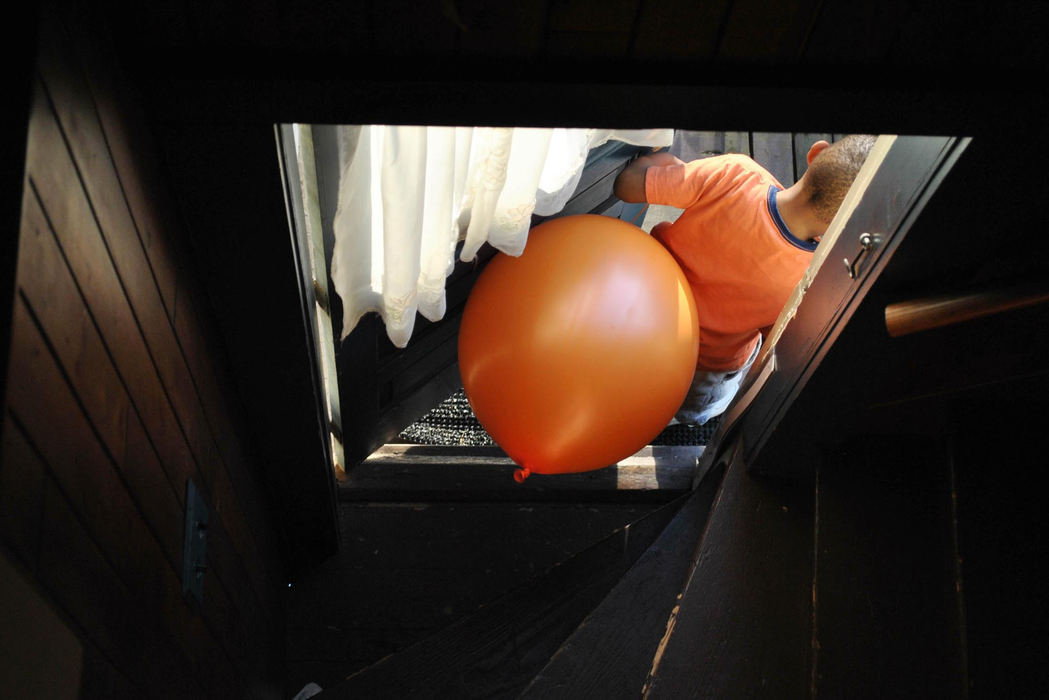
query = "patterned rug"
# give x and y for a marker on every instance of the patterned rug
(452, 422)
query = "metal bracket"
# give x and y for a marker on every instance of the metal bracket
(195, 543)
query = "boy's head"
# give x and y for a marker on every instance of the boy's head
(831, 172)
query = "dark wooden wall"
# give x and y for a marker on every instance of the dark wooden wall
(116, 397)
(888, 541)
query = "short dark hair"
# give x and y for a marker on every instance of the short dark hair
(832, 171)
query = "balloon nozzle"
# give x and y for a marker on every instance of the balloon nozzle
(521, 474)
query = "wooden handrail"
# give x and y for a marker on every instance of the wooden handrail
(907, 317)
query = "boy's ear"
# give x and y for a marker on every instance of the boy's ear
(814, 150)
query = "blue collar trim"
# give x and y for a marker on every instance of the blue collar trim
(782, 226)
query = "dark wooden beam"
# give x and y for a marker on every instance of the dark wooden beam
(632, 96)
(401, 473)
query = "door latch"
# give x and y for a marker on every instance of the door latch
(866, 244)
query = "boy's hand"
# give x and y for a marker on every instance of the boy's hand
(630, 183)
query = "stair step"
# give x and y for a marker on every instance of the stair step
(398, 472)
(496, 651)
(610, 654)
(742, 626)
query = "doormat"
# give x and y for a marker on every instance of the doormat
(452, 422)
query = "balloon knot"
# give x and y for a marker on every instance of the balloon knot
(521, 474)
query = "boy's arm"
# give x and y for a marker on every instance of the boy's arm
(630, 183)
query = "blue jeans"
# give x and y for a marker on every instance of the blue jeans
(712, 392)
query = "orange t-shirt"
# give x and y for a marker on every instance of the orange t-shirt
(739, 257)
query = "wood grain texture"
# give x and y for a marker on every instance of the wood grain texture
(744, 621)
(78, 119)
(100, 303)
(406, 570)
(22, 475)
(495, 651)
(106, 417)
(887, 594)
(610, 654)
(40, 656)
(802, 144)
(775, 151)
(91, 492)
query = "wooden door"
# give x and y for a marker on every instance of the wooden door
(900, 176)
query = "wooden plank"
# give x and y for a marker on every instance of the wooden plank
(219, 399)
(50, 291)
(491, 455)
(597, 196)
(40, 657)
(144, 476)
(678, 29)
(737, 142)
(607, 159)
(1001, 533)
(860, 31)
(744, 621)
(593, 16)
(403, 573)
(760, 34)
(75, 571)
(610, 654)
(99, 678)
(78, 119)
(41, 399)
(131, 148)
(514, 29)
(886, 597)
(22, 475)
(55, 183)
(690, 145)
(421, 472)
(588, 45)
(499, 648)
(242, 637)
(71, 217)
(97, 281)
(802, 143)
(775, 151)
(48, 288)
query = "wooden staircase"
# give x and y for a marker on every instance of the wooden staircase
(841, 580)
(589, 626)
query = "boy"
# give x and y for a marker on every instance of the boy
(743, 242)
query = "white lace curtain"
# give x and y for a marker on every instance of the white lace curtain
(409, 194)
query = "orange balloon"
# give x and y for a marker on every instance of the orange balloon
(576, 354)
